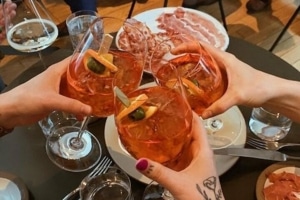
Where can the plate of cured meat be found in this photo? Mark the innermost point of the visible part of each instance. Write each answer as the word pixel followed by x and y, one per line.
pixel 160 24
pixel 279 181
pixel 163 22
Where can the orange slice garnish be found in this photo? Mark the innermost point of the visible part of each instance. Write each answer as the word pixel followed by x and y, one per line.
pixel 191 87
pixel 150 110
pixel 103 63
pixel 135 103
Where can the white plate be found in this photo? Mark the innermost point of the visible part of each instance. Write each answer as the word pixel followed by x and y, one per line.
pixel 149 17
pixel 263 181
pixel 127 162
pixel 12 188
pixel 214 33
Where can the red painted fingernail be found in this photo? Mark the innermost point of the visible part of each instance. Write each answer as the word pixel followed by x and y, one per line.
pixel 141 164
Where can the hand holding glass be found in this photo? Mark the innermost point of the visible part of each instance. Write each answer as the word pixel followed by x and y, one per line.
pixel 95 66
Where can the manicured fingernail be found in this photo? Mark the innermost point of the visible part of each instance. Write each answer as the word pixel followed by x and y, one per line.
pixel 141 164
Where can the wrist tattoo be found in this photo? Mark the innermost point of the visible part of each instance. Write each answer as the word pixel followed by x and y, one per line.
pixel 211 185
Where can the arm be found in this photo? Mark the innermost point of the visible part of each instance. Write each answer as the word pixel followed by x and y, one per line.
pixel 37 97
pixel 250 87
pixel 200 178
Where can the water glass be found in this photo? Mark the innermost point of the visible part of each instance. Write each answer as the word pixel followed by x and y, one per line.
pixel 78 23
pixel 269 125
pixel 55 120
pixel 114 184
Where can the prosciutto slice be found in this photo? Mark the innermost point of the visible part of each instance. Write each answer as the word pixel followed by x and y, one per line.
pixel 189 23
pixel 283 186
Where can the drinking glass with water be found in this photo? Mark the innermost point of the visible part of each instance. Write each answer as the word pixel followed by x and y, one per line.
pixel 269 125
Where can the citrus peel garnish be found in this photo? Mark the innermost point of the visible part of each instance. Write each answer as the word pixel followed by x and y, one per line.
pixel 105 59
pixel 136 111
pixel 191 87
pixel 135 103
pixel 150 110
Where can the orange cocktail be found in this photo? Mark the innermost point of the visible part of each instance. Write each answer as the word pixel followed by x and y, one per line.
pixel 94 86
pixel 162 131
pixel 200 75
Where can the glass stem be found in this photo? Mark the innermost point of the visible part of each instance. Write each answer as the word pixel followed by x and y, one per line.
pixel 213 125
pixel 167 195
pixel 76 142
pixel 42 60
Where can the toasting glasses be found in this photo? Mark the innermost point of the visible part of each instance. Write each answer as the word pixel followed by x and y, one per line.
pixel 95 66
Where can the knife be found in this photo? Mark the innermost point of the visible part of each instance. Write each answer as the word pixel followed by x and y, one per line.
pixel 255 153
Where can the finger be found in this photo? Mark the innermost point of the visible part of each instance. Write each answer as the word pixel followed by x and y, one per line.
pixel 157 172
pixel 61 66
pixel 199 131
pixel 70 105
pixel 187 47
pixel 216 53
pixel 219 106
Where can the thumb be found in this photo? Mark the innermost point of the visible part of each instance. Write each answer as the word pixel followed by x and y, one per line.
pixel 70 105
pixel 218 107
pixel 157 172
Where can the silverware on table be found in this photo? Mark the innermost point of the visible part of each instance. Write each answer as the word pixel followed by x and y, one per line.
pixel 261 144
pixel 255 153
pixel 101 168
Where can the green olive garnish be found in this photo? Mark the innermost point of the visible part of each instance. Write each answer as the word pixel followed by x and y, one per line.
pixel 95 66
pixel 137 114
pixel 195 81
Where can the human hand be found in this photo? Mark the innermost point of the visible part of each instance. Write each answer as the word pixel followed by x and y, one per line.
pixel 246 85
pixel 11 10
pixel 200 178
pixel 36 98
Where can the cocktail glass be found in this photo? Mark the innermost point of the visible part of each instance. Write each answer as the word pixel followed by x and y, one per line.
pixel 155 122
pixel 96 65
pixel 203 83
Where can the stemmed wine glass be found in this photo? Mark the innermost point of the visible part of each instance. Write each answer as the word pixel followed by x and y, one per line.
pixel 203 83
pixel 32 29
pixel 96 65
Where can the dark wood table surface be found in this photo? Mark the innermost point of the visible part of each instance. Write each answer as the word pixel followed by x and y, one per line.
pixel 23 151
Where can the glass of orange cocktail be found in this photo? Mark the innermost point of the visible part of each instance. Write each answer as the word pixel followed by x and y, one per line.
pixel 156 122
pixel 146 125
pixel 203 82
pixel 97 64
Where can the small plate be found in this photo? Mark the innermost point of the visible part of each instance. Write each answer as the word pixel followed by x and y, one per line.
pixel 262 181
pixel 124 160
pixel 12 187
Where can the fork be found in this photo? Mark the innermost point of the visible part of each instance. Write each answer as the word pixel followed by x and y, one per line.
pixel 101 168
pixel 261 144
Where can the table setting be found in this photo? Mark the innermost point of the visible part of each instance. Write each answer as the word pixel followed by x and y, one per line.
pixel 234 169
